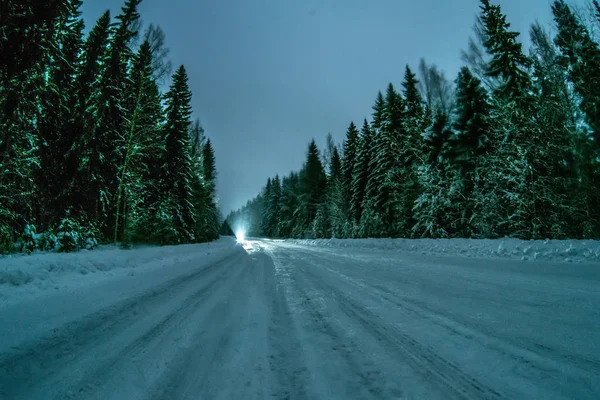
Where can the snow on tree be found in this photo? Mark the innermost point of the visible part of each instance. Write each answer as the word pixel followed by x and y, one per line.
pixel 360 172
pixel 348 160
pixel 335 196
pixel 176 169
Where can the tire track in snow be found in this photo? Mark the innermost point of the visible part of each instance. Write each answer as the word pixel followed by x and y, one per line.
pixel 338 363
pixel 197 372
pixel 532 361
pixel 29 366
pixel 447 374
pixel 159 332
pixel 285 351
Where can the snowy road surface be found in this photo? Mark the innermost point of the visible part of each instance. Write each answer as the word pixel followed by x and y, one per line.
pixel 283 321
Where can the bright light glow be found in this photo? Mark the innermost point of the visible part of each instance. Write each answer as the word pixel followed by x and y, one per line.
pixel 240 235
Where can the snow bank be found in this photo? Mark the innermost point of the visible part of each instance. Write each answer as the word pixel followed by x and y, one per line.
pixel 22 273
pixel 554 250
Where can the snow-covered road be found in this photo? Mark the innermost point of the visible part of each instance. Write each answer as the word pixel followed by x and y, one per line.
pixel 276 320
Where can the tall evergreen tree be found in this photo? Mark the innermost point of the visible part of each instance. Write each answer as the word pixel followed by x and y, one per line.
pixel 361 171
pixel 289 204
pixel 56 128
pixel 87 184
pixel 348 160
pixel 555 161
pixel 335 196
pixel 275 206
pixel 114 108
pixel 582 55
pixel 266 210
pixel 141 149
pixel 313 182
pixel 27 31
pixel 410 153
pixel 508 64
pixel 505 203
pixel 470 141
pixel 209 167
pixel 176 169
pixel 380 206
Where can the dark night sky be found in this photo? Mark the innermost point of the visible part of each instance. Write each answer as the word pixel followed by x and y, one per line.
pixel 269 75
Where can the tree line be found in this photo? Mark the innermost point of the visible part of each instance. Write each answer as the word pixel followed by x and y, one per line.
pixel 510 148
pixel 90 149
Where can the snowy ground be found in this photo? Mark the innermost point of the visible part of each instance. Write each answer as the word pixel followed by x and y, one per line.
pixel 292 320
pixel 525 250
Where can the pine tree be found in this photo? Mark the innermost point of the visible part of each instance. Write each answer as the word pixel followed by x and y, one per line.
pixel 335 196
pixel 26 28
pixel 177 210
pixel 410 154
pixel 381 204
pixel 289 204
pixel 56 128
pixel 582 54
pixel 581 57
pixel 348 160
pixel 471 120
pixel 361 171
pixel 506 205
pixel 313 182
pixel 469 143
pixel 271 211
pixel 203 186
pixel 267 212
pixel 142 148
pixel 275 206
pixel 114 108
pixel 558 120
pixel 201 189
pixel 508 63
pixel 27 31
pixel 209 167
pixel 87 184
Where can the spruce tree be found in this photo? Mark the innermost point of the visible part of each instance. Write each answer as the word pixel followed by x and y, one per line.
pixel 87 184
pixel 313 182
pixel 114 108
pixel 290 190
pixel 508 64
pixel 267 211
pixel 56 128
pixel 557 116
pixel 141 149
pixel 471 120
pixel 209 166
pixel 470 142
pixel 582 55
pixel 410 154
pixel 275 206
pixel 380 216
pixel 335 196
pixel 506 205
pixel 361 171
pixel 348 160
pixel 27 37
pixel 177 211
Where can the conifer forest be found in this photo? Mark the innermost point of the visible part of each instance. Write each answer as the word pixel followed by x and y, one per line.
pixel 508 148
pixel 91 150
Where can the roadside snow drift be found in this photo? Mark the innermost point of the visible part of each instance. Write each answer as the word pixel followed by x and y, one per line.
pixel 552 250
pixel 27 275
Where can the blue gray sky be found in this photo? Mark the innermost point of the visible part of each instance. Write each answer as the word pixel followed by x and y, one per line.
pixel 269 75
